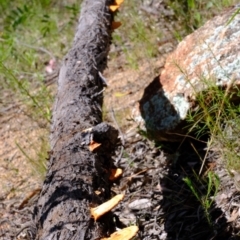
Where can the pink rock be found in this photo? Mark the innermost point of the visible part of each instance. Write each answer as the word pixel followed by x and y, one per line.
pixel 211 53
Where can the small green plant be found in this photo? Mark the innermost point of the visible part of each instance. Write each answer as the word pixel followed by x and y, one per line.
pixel 192 14
pixel 217 116
pixel 37 162
pixel 138 36
pixel 206 196
pixel 32 33
pixel 214 108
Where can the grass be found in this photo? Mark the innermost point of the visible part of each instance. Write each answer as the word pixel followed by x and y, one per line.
pixel 204 195
pixel 217 115
pixel 32 33
pixel 192 14
pixel 38 159
pixel 138 36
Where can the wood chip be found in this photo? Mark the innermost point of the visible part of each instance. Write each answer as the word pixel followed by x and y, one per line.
pixel 87 129
pixel 97 192
pixel 124 234
pixel 99 211
pixel 140 204
pixel 234 215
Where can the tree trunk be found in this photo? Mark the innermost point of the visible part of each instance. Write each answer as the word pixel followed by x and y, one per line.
pixel 78 178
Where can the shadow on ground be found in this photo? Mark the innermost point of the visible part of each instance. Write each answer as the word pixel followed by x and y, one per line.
pixel 188 211
pixel 191 213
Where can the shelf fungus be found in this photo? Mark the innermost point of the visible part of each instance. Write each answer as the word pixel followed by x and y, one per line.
pixel 116 5
pixel 123 234
pixel 87 139
pixel 115 25
pixel 115 173
pixel 99 211
pixel 93 145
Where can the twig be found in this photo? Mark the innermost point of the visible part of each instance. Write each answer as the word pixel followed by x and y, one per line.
pixel 27 198
pixel 31 230
pixel 104 80
pixel 118 128
pixel 36 48
pixel 121 133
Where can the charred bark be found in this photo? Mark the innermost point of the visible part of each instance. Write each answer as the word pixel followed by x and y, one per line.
pixel 77 178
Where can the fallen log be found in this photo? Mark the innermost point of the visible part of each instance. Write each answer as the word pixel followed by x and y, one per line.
pixel 80 163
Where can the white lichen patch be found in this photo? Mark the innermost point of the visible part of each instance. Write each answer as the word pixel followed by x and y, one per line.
pixel 216 57
pixel 181 105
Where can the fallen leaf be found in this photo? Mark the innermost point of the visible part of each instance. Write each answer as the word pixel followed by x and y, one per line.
pixel 97 192
pixel 211 166
pixel 119 94
pixel 31 195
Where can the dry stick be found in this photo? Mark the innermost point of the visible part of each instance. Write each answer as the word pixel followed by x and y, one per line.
pixel 28 197
pixel 121 133
pixel 187 136
pixel 195 150
pixel 134 175
pixel 75 173
pixel 118 128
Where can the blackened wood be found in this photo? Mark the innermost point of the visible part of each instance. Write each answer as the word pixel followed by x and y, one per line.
pixel 75 173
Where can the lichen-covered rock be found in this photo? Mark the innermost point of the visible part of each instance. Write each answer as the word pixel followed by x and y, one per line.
pixel 211 53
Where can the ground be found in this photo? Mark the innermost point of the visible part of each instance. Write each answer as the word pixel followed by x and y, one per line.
pixel 155 175
pixel 157 199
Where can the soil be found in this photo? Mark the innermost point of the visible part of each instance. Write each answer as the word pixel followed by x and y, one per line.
pixel 18 178
pixel 157 199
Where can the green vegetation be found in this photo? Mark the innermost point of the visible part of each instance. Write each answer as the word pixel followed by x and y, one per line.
pixel 192 14
pixel 32 33
pixel 138 38
pixel 218 116
pixel 217 111
pixel 204 195
pixel 38 161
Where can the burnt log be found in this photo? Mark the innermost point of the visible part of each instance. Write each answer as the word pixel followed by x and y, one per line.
pixel 78 176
